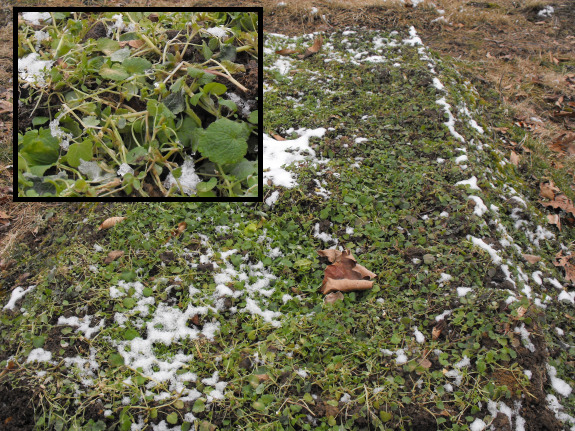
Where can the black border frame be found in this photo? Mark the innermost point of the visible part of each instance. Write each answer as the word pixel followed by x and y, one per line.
pixel 259 10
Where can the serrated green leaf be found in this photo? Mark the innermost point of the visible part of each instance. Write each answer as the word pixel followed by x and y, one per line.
pixel 224 141
pixel 115 73
pixel 136 65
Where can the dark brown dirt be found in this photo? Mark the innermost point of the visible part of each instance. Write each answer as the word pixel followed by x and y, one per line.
pixel 16 409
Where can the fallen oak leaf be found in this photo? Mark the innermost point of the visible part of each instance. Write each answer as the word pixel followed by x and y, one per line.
pixel 109 222
pixel 514 158
pixel 314 49
pixel 561 201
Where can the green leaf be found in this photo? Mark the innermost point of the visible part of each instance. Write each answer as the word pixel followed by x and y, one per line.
pixel 40 148
pixel 214 88
pixel 130 334
pixel 129 303
pixel 228 52
pixel 195 72
pixel 116 360
pixel 136 155
pixel 185 131
pixel 224 141
pixel 199 406
pixel 244 169
pixel 91 121
pixel 38 342
pixel 78 152
pixel 172 418
pixel 206 186
pixel 206 51
pixel 175 102
pixel 120 55
pixel 38 121
pixel 253 118
pixel 230 104
pixel 147 292
pixel 107 46
pixel 115 73
pixel 136 65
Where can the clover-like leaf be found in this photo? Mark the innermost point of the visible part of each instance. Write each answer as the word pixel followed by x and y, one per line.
pixel 224 141
pixel 40 148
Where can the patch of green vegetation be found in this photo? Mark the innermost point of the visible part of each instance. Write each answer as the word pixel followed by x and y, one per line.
pixel 298 362
pixel 130 100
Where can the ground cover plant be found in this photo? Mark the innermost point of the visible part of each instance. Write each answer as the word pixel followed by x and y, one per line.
pixel 142 104
pixel 212 315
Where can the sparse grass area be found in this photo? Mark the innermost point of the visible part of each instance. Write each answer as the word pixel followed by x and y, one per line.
pixel 289 360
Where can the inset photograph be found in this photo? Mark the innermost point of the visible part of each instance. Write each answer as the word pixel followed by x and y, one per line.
pixel 138 105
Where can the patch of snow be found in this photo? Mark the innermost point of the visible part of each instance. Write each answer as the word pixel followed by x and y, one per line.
pixel 560 386
pixel 39 355
pixel 16 294
pixel 462 291
pixel 480 207
pixel 471 182
pixel 188 180
pixel 272 199
pixel 278 154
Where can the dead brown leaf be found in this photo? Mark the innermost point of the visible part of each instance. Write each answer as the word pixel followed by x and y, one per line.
pixel 548 190
pixel 531 258
pixel 332 297
pixel 561 201
pixel 514 158
pixel 314 49
pixel 564 143
pixel 278 137
pixel 109 222
pixel 554 219
pixel 344 274
pixel 286 51
pixel 564 261
pixel 113 255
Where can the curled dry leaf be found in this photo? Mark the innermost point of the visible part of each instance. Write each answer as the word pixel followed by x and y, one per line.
pixel 514 158
pixel 548 190
pixel 112 221
pixel 344 274
pixel 332 297
pixel 562 202
pixel 314 49
pixel 531 258
pixel 113 255
pixel 286 51
pixel 554 219
pixel 564 261
pixel 278 137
